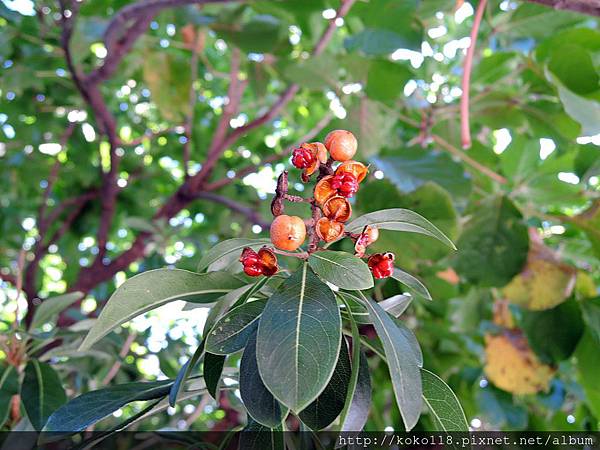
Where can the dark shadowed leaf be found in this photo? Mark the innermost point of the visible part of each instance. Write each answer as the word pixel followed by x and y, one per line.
pixel 232 331
pixel 259 402
pixel 328 406
pixel 342 269
pixel 152 289
pixel 9 386
pixel 213 369
pixel 89 408
pixel 358 412
pixel 402 363
pixel 298 340
pixel 42 392
pixel 184 374
pixel 258 437
pixel 443 405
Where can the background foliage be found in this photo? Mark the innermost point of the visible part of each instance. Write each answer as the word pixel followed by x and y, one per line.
pixel 131 145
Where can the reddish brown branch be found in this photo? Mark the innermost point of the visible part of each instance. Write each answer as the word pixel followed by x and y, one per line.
pixel 250 213
pixel 465 131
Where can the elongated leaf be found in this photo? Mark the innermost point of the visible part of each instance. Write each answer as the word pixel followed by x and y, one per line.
pixel 223 304
pixel 258 437
pixel 342 269
pixel 42 392
pixel 232 331
pixel 396 305
pixel 412 283
pixel 402 363
pixel 220 256
pixel 9 386
pixel 213 368
pixel 445 408
pixel 358 412
pixel 399 219
pixel 48 310
pixel 259 402
pixel 152 289
pixel 184 374
pixel 411 339
pixel 328 406
pixel 298 341
pixel 89 408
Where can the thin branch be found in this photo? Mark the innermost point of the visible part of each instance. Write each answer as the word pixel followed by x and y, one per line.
pixel 140 140
pixel 250 213
pixel 122 354
pixel 191 103
pixel 589 7
pixel 310 135
pixel 465 130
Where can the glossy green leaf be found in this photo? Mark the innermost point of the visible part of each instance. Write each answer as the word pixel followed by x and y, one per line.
pixel 330 403
pixel 41 392
pixel 402 363
pixel 48 310
pixel 184 373
pixel 493 244
pixel 259 402
pixel 396 304
pixel 154 288
pixel 358 412
pixel 399 219
pixel 213 369
pixel 298 340
pixel 584 110
pixel 224 253
pixel 89 408
pixel 232 331
pixel 341 269
pixel 412 283
pixel 443 404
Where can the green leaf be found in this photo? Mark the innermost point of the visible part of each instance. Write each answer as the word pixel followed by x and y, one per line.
pixel 42 392
pixel 224 253
pixel 298 340
pixel 371 123
pixel 396 304
pixel 402 363
pixel 342 269
pixel 573 66
pixel 586 362
pixel 553 334
pixel 258 437
pixel 9 386
pixel 313 73
pixel 261 34
pixel 521 158
pixel 48 310
pixel 89 408
pixel 412 167
pixel 584 110
pixel 399 219
pixel 223 304
pixel 184 374
pixel 213 369
pixel 412 283
pixel 152 289
pixel 493 244
pixel 232 331
pixel 591 315
pixel 259 402
pixel 378 42
pixel 443 404
pixel 358 412
pixel 330 403
pixel 386 80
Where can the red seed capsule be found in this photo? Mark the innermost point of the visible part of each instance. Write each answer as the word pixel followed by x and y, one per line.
pixel 381 264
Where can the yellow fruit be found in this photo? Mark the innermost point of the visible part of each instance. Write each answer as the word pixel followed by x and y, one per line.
pixel 341 144
pixel 288 232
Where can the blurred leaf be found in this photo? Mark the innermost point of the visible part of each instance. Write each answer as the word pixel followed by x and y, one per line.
pixel 370 124
pixel 314 73
pixel 9 386
pixel 413 167
pixel 586 359
pixel 42 392
pixel 48 310
pixel 553 334
pixel 591 314
pixel 298 339
pixel 493 244
pixel 261 34
pixel 573 66
pixel 386 80
pixel 341 269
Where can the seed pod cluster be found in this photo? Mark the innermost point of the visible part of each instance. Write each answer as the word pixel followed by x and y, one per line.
pixel 338 180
